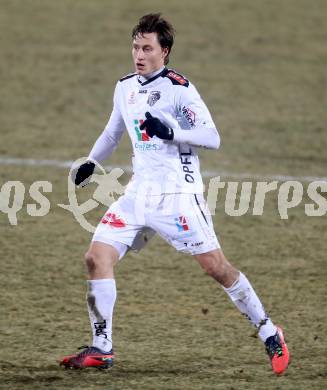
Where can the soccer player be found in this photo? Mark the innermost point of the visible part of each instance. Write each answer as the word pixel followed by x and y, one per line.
pixel 167 121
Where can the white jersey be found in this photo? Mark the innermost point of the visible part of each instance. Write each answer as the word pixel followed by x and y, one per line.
pixel 161 166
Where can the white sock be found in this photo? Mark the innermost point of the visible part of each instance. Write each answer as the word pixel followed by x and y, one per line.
pixel 101 297
pixel 247 301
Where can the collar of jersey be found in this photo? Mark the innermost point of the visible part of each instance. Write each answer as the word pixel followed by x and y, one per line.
pixel 160 74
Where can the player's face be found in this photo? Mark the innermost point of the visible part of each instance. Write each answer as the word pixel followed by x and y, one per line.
pixel 148 55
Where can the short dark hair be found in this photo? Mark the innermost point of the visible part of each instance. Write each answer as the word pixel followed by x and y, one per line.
pixel 155 23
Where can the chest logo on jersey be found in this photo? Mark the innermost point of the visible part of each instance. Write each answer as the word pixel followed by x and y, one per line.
pixel 141 134
pixel 153 97
pixel 143 91
pixel 144 142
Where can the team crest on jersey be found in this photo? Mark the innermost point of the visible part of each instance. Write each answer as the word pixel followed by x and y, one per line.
pixel 181 224
pixel 153 97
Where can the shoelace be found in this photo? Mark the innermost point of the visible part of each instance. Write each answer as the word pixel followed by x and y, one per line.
pixel 273 346
pixel 87 350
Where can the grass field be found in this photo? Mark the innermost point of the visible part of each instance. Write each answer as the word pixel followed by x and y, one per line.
pixel 261 68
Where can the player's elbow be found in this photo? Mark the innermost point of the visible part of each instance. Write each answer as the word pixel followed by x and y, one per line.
pixel 214 141
pixel 217 142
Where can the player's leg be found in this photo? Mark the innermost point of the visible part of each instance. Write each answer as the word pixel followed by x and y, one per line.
pixel 241 292
pixel 239 289
pixel 188 227
pixel 111 240
pixel 101 294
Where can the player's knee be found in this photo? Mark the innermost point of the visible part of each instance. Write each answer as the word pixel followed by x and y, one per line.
pixel 217 267
pixel 96 260
pixel 93 260
pixel 90 260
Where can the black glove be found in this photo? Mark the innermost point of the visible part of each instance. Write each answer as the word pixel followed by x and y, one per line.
pixel 83 172
pixel 153 126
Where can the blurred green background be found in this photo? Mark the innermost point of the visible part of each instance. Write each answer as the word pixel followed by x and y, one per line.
pixel 259 65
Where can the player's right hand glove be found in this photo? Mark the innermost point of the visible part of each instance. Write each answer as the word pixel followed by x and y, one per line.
pixel 83 172
pixel 153 126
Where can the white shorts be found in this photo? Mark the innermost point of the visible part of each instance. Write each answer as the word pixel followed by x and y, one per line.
pixel 183 220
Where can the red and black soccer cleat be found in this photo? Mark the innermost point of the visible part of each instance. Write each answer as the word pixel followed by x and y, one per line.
pixel 278 352
pixel 89 357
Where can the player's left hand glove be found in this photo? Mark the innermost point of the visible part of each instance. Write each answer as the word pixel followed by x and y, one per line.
pixel 82 173
pixel 153 126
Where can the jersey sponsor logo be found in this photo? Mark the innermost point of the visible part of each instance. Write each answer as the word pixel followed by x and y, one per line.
pixel 143 91
pixel 153 97
pixel 187 166
pixel 180 79
pixel 181 224
pixel 143 144
pixel 146 146
pixel 113 220
pixel 141 134
pixel 189 115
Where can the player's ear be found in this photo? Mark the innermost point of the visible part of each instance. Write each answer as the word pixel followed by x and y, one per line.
pixel 165 52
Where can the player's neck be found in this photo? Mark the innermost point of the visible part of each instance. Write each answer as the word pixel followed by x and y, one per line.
pixel 148 76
